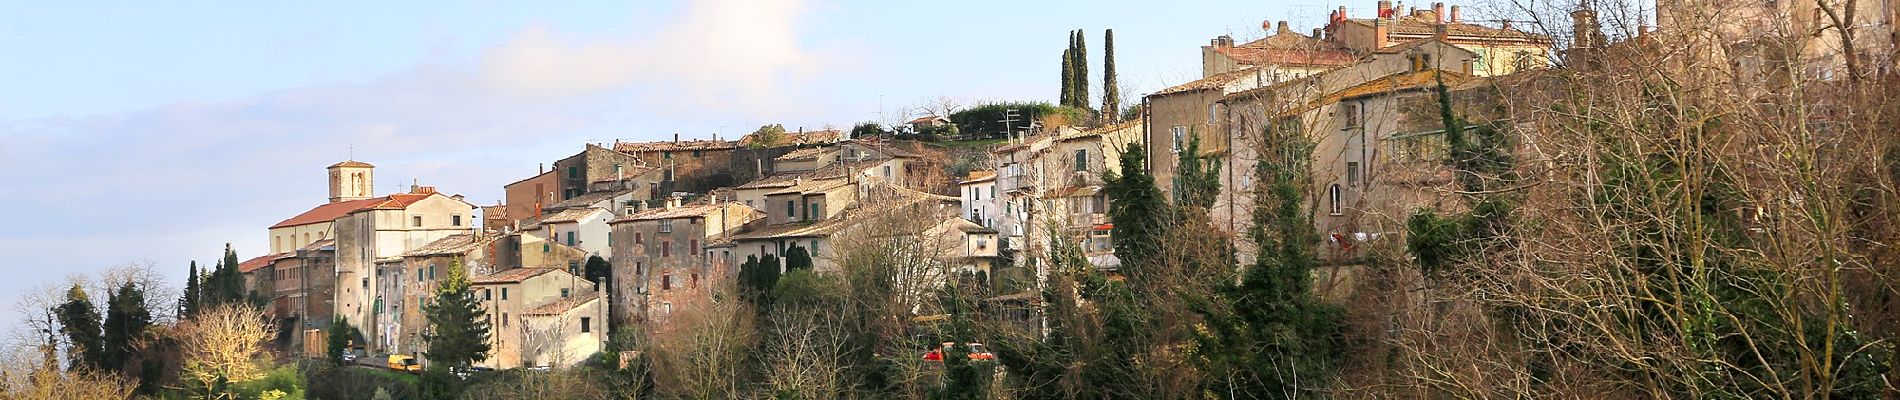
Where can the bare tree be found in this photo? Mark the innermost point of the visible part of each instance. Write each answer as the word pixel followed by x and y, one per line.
pixel 224 343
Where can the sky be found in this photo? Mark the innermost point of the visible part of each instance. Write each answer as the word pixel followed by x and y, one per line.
pixel 157 132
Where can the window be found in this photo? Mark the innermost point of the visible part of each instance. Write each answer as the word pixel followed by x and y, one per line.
pixel 573 267
pixel 570 238
pixel 1082 159
pixel 812 211
pixel 431 271
pixel 415 221
pixel 1179 133
pixel 666 226
pixel 504 316
pixel 992 191
pixel 1350 111
pixel 563 293
pixel 1332 193
pixel 791 210
pixel 419 274
pixel 639 238
pixel 666 155
pixel 695 280
pixel 1352 173
pixel 692 246
pixel 666 282
pixel 666 308
pixel 504 293
pixel 587 324
pixel 546 247
pixel 1098 204
pixel 814 247
pixel 666 248
pixel 1213 113
pixel 486 293
pixel 639 268
pixel 887 172
pixel 455 220
pixel 695 153
pixel 573 172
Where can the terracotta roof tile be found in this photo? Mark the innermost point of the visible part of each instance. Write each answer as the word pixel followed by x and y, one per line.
pixel 571 215
pixel 351 163
pixel 510 276
pixel 980 176
pixel 694 210
pixel 1211 82
pixel 669 146
pixel 328 212
pixel 563 305
pixel 260 262
pixel 456 244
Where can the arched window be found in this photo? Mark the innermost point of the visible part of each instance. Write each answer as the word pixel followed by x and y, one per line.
pixel 1332 193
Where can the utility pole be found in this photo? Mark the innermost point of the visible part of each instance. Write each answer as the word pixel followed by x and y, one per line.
pixel 1009 120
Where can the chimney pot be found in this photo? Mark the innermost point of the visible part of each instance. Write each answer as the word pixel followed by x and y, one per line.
pixel 1438 12
pixel 1316 32
pixel 1282 29
pixel 676 137
pixel 1454 14
pixel 1385 8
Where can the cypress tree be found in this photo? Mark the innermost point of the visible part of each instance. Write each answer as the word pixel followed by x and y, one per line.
pixel 1138 210
pixel 188 306
pixel 80 322
pixel 1081 70
pixel 458 336
pixel 797 258
pixel 1068 72
pixel 337 339
pixel 230 285
pixel 598 269
pixel 126 320
pixel 1111 92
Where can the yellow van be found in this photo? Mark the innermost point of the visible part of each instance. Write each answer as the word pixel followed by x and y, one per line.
pixel 404 363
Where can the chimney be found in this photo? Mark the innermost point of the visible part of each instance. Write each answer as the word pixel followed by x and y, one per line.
pixel 1385 8
pixel 1316 33
pixel 540 168
pixel 1281 28
pixel 1440 31
pixel 1438 12
pixel 1454 14
pixel 1380 27
pixel 676 137
pixel 1505 25
pixel 1340 16
pixel 420 189
pixel 457 197
pixel 672 202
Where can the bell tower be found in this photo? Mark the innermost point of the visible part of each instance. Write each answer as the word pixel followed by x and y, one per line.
pixel 352 180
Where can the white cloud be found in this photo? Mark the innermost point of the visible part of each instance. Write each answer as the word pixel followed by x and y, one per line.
pixel 719 53
pixel 101 190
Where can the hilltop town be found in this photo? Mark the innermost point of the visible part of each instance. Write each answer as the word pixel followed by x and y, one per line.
pixel 1407 203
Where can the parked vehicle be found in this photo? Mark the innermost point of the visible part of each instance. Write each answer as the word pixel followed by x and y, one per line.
pixel 405 363
pixel 465 372
pixel 977 352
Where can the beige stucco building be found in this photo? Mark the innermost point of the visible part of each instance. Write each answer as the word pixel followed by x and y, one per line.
pixel 540 317
pixel 380 233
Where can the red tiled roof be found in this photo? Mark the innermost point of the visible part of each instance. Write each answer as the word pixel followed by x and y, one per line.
pixel 260 262
pixel 399 201
pixel 562 306
pixel 1290 49
pixel 694 210
pixel 980 176
pixel 511 276
pixel 351 163
pixel 927 118
pixel 328 212
pixel 685 145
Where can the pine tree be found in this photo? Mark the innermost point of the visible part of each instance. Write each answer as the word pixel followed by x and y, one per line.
pixel 337 339
pixel 458 335
pixel 1081 70
pixel 80 322
pixel 126 321
pixel 188 306
pixel 1111 91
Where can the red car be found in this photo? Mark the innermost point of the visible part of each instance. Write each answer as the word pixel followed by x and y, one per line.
pixel 977 352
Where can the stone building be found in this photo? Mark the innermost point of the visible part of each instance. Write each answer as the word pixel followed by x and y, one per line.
pixel 658 260
pixel 540 317
pixel 379 233
pixel 524 199
pixel 410 284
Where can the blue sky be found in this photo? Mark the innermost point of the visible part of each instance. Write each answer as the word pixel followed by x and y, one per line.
pixel 157 132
